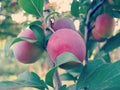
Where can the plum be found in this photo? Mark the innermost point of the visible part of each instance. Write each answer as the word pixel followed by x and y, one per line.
pixel 104 26
pixel 63 23
pixel 66 40
pixel 25 51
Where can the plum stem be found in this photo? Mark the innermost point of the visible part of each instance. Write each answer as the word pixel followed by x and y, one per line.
pixel 51 29
pixel 88 29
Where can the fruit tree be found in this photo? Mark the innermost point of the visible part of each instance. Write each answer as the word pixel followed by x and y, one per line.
pixel 85 57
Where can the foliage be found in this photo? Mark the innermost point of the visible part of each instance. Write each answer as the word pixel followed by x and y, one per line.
pixel 26 79
pixel 36 7
pixel 97 73
pixel 7 26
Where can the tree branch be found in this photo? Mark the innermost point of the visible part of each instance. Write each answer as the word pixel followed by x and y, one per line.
pixel 88 29
pixel 57 80
pixel 88 25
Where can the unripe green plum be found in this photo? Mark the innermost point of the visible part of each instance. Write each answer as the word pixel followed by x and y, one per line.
pixel 104 26
pixel 24 51
pixel 66 40
pixel 63 23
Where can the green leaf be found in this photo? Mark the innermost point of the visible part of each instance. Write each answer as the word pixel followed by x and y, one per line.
pixel 75 7
pixel 103 56
pixel 67 77
pixel 99 76
pixel 18 39
pixel 79 7
pixel 113 88
pixel 91 66
pixel 34 7
pixel 83 9
pixel 49 77
pixel 107 58
pixel 64 87
pixel 47 38
pixel 38 23
pixel 75 71
pixel 39 33
pixel 116 2
pixel 65 58
pixel 116 13
pixel 26 79
pixel 25 25
pixel 15 40
pixel 111 44
pixel 61 59
pixel 67 61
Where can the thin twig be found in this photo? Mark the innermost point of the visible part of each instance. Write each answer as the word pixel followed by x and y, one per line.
pixel 57 80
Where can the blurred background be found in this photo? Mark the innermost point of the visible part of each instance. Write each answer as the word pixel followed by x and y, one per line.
pixel 12 18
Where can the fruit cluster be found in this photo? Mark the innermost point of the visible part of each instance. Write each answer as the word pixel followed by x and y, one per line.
pixel 64 39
